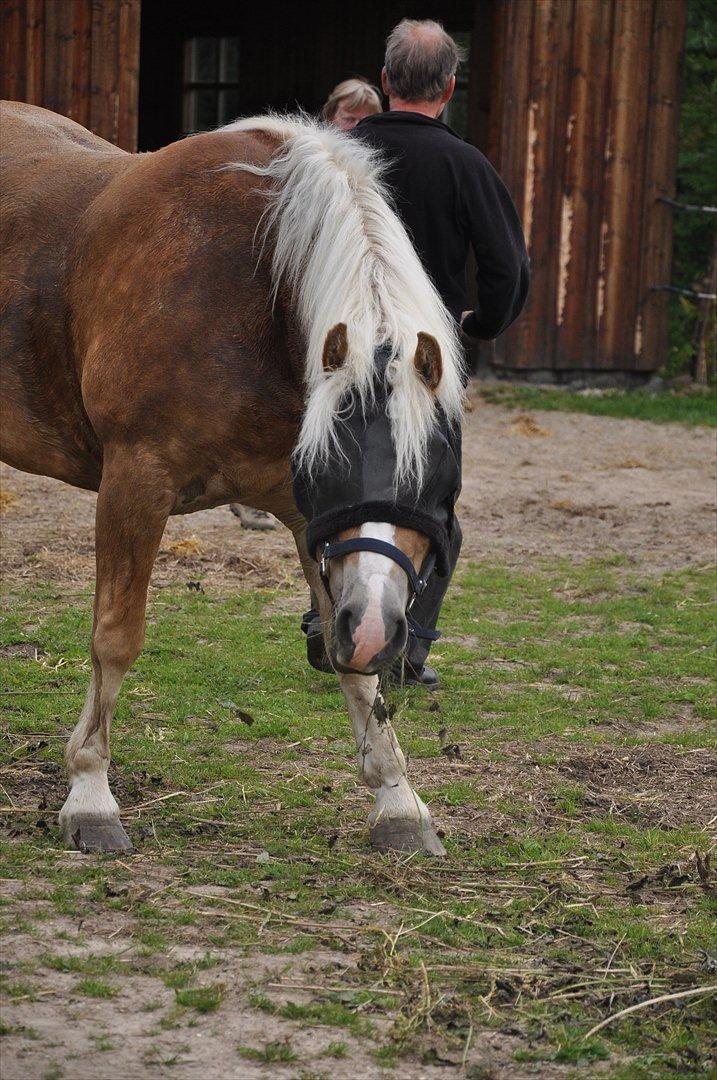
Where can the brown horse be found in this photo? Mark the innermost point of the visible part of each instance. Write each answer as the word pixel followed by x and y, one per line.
pixel 176 326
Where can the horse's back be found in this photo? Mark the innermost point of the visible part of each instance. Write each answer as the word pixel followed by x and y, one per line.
pixel 51 169
pixel 29 125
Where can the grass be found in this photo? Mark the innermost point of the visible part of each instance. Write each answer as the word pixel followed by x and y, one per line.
pixel 659 406
pixel 580 698
pixel 331 1013
pixel 338 1050
pixel 95 988
pixel 204 999
pixel 271 1052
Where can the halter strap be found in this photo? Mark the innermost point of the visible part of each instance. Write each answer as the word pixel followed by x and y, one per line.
pixel 381 547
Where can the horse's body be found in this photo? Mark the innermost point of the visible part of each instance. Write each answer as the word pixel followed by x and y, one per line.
pixel 111 298
pixel 143 358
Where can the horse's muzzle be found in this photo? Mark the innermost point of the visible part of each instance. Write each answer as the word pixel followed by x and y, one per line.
pixel 366 642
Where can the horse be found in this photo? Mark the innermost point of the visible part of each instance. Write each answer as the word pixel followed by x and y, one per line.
pixel 203 325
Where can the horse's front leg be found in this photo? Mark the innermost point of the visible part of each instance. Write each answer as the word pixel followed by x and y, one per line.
pixel 132 510
pixel 399 819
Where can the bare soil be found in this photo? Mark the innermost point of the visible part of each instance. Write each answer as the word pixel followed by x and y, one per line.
pixel 549 484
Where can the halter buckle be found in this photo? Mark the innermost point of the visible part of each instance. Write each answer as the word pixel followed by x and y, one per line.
pixel 323 562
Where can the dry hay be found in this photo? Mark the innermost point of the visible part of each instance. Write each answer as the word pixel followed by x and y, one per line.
pixel 8 498
pixel 527 425
pixel 188 545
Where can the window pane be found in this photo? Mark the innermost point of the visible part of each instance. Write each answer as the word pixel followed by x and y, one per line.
pixel 200 59
pixel 229 60
pixel 199 110
pixel 229 107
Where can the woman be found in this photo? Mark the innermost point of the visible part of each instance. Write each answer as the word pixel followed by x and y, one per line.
pixel 351 101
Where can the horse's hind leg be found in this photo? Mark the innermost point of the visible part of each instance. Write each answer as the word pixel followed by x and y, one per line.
pixel 132 510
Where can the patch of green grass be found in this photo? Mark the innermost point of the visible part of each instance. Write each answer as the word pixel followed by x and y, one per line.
pixel 17 990
pixel 204 999
pixel 261 1001
pixel 386 1056
pixel 573 1051
pixel 338 1050
pixel 331 1013
pixel 85 965
pixel 95 988
pixel 103 1043
pixel 271 1052
pixel 659 406
pixel 580 696
pixel 20 1029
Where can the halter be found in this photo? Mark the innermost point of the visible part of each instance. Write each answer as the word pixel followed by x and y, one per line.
pixel 418 582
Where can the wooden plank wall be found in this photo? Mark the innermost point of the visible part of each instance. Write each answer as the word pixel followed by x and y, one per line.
pixel 584 131
pixel 77 57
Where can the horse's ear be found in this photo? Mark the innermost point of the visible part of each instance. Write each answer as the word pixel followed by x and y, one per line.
pixel 336 347
pixel 429 364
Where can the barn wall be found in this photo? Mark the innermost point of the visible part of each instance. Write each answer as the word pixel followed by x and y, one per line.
pixel 77 57
pixel 583 129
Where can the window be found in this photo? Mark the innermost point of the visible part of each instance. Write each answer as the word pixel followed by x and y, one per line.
pixel 456 112
pixel 210 95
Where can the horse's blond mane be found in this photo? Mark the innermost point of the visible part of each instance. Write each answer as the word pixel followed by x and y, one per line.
pixel 347 258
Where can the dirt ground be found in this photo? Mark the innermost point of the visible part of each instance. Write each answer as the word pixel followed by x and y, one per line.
pixel 544 485
pixel 548 484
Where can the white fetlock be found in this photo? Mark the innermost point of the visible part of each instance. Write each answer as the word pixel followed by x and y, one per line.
pixel 89 797
pixel 398 801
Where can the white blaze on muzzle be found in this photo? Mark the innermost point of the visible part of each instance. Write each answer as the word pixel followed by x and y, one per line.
pixel 374 589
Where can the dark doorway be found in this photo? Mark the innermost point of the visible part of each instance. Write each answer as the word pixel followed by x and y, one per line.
pixel 203 62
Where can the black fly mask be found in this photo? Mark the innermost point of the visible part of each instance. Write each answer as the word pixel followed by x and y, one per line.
pixel 357 484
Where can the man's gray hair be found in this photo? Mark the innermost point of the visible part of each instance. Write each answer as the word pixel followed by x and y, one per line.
pixel 420 59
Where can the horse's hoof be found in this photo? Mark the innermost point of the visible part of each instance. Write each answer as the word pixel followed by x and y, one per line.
pixel 405 834
pixel 92 833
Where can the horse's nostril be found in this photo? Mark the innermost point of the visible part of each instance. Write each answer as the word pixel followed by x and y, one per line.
pixel 400 635
pixel 346 623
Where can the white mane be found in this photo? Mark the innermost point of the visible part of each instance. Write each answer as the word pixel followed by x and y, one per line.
pixel 347 257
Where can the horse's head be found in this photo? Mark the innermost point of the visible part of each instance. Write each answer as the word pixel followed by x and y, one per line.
pixel 379 530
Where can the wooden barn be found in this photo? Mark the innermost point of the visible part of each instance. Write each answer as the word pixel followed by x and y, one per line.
pixel 574 101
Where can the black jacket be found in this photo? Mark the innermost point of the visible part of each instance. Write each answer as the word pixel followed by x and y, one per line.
pixel 449 196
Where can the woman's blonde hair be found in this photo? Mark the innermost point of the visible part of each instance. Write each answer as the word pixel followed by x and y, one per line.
pixel 354 92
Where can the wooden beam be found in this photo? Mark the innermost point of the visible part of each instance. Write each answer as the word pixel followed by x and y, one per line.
pixel 12 50
pixel 128 89
pixel 104 92
pixel 67 59
pixel 625 157
pixel 668 41
pixel 512 132
pixel 35 51
pixel 575 343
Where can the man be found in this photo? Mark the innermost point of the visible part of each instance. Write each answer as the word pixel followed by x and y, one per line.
pixel 447 194
pixel 450 198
